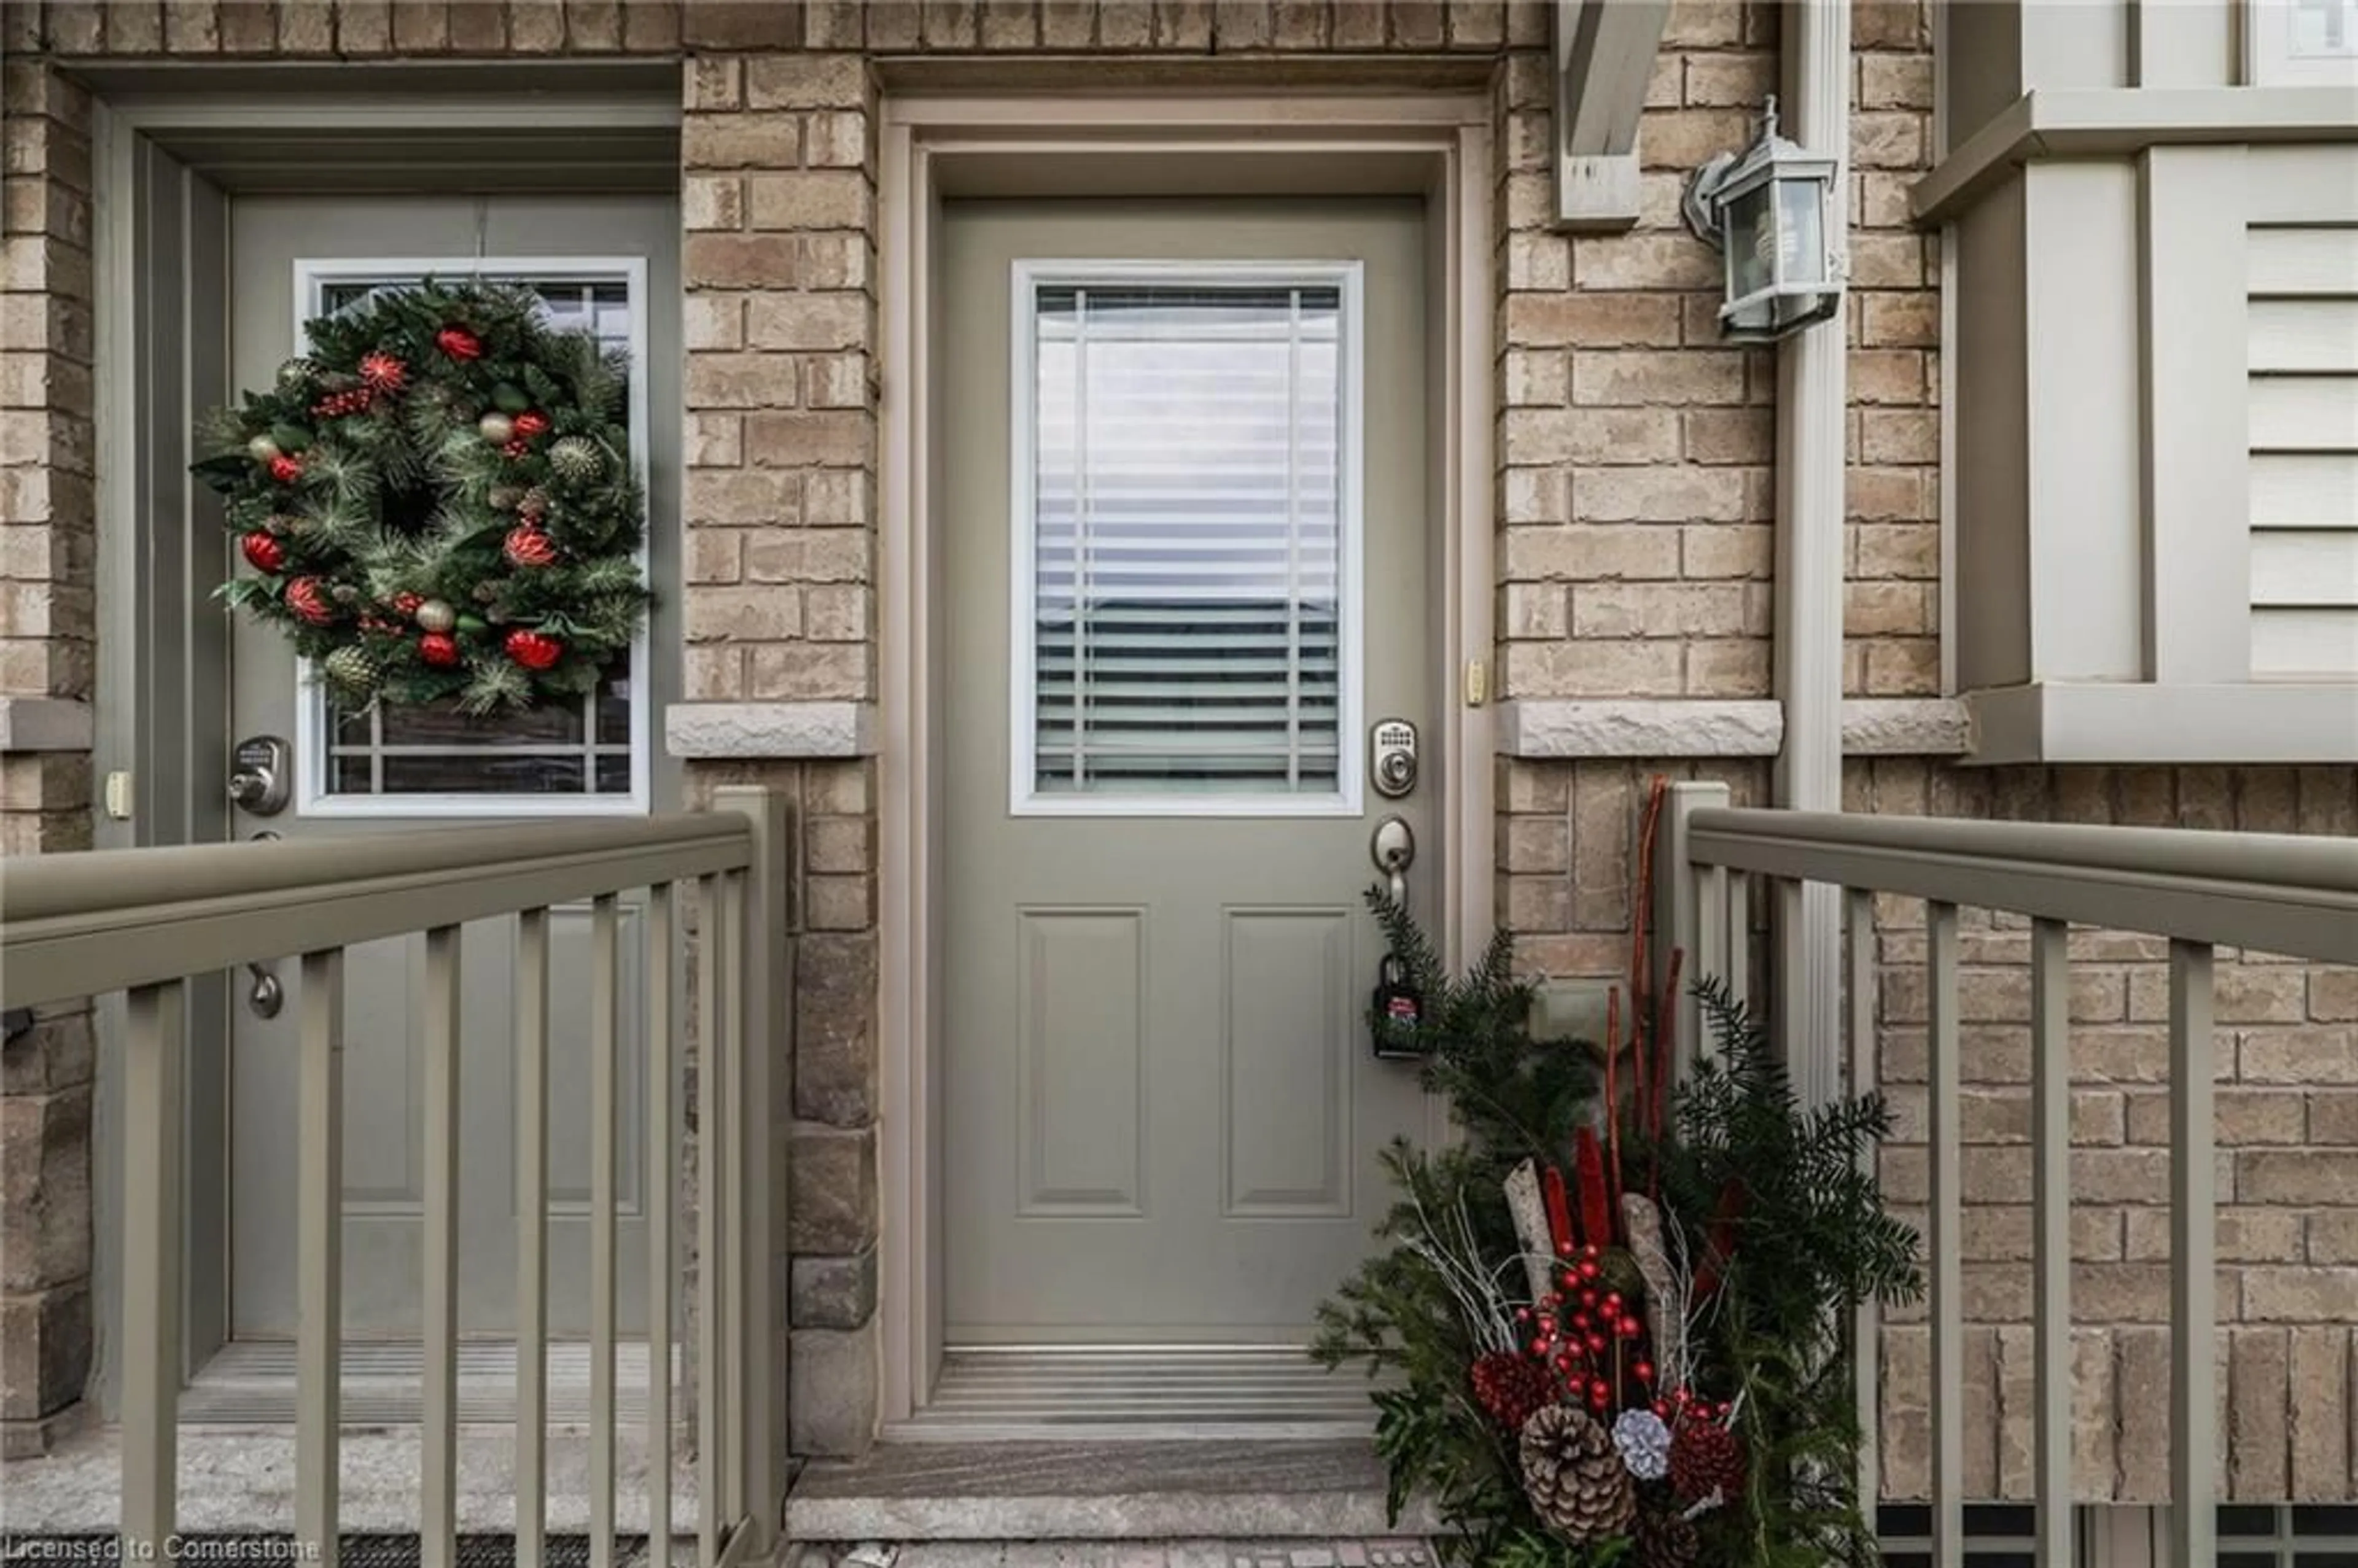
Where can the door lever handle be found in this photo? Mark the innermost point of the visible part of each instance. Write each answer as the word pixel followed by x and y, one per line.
pixel 268 996
pixel 1394 849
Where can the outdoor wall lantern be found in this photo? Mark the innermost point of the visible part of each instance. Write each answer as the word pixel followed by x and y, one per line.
pixel 1767 211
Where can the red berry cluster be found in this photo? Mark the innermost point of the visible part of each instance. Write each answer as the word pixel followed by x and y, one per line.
pixel 337 404
pixel 1705 1456
pixel 1511 1388
pixel 1587 1334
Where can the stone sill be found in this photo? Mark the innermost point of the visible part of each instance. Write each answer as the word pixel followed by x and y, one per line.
pixel 774 731
pixel 1546 728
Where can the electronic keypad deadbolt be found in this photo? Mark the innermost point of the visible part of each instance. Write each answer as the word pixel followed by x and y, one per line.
pixel 261 774
pixel 1392 757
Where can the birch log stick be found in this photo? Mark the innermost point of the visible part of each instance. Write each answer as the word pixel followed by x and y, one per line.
pixel 1529 1214
pixel 1643 1223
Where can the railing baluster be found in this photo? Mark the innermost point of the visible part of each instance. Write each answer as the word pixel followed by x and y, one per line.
pixel 319 1254
pixel 152 1069
pixel 1865 1073
pixel 1946 1155
pixel 1710 957
pixel 1737 944
pixel 2051 1245
pixel 735 1395
pixel 605 978
pixel 662 1189
pixel 709 990
pixel 2193 1371
pixel 532 1235
pixel 438 1535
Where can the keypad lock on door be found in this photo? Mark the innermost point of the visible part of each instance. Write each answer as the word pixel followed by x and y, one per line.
pixel 261 775
pixel 1392 757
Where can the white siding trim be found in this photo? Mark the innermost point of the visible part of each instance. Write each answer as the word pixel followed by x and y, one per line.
pixel 2253 724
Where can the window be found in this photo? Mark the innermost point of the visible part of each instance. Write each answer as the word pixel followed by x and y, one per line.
pixel 2294 43
pixel 1187 540
pixel 435 760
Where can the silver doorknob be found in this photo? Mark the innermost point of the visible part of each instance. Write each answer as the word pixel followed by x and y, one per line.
pixel 261 775
pixel 1394 849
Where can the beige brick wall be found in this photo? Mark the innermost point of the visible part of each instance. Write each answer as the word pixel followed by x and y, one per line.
pixel 1635 495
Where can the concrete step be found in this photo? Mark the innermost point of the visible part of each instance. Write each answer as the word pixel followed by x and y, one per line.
pixel 1324 1491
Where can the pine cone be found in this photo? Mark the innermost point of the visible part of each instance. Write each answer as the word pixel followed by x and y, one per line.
pixel 1575 1479
pixel 354 671
pixel 1705 1457
pixel 576 459
pixel 1667 1541
pixel 1511 1388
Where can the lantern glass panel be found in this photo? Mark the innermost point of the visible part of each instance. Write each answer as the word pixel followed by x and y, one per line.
pixel 1800 231
pixel 1751 244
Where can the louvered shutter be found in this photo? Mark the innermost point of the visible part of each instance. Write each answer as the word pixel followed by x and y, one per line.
pixel 1187 546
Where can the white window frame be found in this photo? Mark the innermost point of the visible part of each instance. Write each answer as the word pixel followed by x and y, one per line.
pixel 312 797
pixel 1030 276
pixel 2268 60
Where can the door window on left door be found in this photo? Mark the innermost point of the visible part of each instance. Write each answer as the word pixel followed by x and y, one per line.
pixel 590 757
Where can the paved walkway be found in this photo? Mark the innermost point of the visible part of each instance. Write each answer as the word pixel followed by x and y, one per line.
pixel 1374 1553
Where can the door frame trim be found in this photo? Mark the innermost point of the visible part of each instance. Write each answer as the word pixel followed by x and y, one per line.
pixel 1433 145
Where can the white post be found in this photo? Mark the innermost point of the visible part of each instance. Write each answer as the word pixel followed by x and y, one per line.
pixel 1812 390
pixel 1681 923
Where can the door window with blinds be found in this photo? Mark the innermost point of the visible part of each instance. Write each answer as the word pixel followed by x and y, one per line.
pixel 588 756
pixel 1187 539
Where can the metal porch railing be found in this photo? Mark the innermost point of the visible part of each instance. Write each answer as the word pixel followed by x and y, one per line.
pixel 146 921
pixel 2278 894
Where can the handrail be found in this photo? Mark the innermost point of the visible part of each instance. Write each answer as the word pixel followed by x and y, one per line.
pixel 2278 893
pixel 76 926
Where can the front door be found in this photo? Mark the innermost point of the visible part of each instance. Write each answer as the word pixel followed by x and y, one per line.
pixel 1185 572
pixel 609 264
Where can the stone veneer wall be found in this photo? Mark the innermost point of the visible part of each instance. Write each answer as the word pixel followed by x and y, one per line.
pixel 1635 498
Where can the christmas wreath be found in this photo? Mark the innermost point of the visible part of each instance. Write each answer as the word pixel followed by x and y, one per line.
pixel 437 501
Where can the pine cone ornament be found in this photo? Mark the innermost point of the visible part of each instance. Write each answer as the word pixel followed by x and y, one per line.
pixel 1575 1479
pixel 1705 1457
pixel 533 505
pixel 354 671
pixel 576 459
pixel 295 374
pixel 1667 1541
pixel 1511 1387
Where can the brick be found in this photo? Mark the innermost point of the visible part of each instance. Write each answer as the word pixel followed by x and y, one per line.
pixel 2249 993
pixel 839 500
pixel 808 671
pixel 835 139
pixel 836 614
pixel 1649 669
pixel 537 26
pixel 1586 552
pixel 832 1379
pixel 712 202
pixel 715 556
pixel 1726 550
pixel 746 140
pixel 1592 320
pixel 1652 379
pixel 739 380
pixel 743 498
pixel 1071 24
pixel 715 83
pixel 1887 139
pixel 750 614
pixel 832 1189
pixel 835 1041
pixel 808 321
pixel 836 260
pixel 477 27
pixel 45 1234
pixel 1651 260
pixel 822 199
pixel 45 1341
pixel 741 25
pixel 739 261
pixel 832 1293
pixel 1679 610
pixel 1536 378
pixel 2334 995
pixel 2318 1428
pixel 1589 435
pixel 2259 1364
pixel 2332 1235
pixel 828 437
pixel 2301 1295
pixel 2296 1176
pixel 2333 1118
pixel 947 24
pixel 1661 496
pixel 713 320
pixel 1730 436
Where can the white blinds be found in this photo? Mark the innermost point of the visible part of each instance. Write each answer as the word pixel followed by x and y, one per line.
pixel 1187 544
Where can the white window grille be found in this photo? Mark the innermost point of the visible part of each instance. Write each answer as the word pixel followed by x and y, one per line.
pixel 1187 540
pixel 587 758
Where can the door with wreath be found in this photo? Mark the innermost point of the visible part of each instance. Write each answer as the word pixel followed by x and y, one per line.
pixel 479 654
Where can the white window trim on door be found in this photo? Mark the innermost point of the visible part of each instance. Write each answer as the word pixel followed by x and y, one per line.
pixel 1030 276
pixel 312 799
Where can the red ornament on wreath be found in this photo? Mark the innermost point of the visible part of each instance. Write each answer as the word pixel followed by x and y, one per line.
pixel 284 468
pixel 308 603
pixel 383 373
pixel 438 649
pixel 534 650
pixel 459 343
pixel 406 603
pixel 532 422
pixel 265 552
pixel 528 546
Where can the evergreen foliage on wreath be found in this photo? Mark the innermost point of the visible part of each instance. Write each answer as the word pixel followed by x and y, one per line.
pixel 437 501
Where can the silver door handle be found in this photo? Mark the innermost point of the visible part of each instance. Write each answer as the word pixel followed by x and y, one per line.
pixel 1393 848
pixel 268 996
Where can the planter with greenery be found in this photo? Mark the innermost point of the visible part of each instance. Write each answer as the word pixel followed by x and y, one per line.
pixel 1617 1311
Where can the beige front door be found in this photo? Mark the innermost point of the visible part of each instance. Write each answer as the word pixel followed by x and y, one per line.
pixel 1185 453
pixel 610 265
